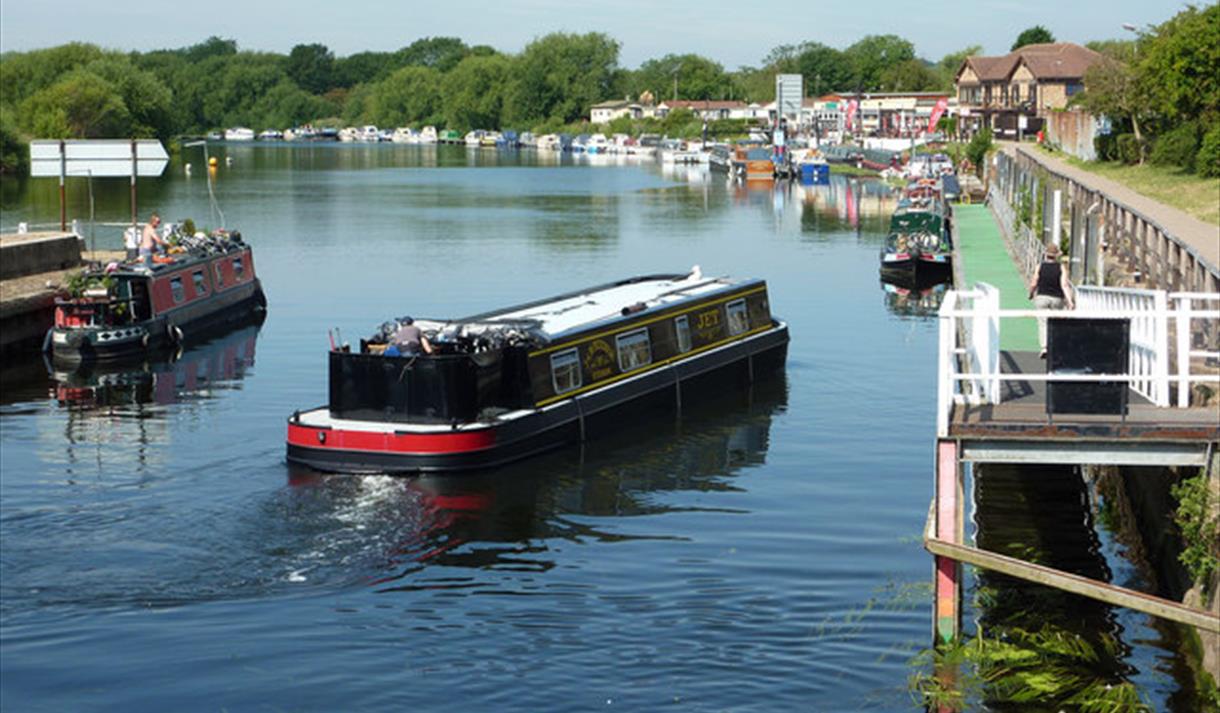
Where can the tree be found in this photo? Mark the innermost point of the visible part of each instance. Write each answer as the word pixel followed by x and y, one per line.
pixel 474 92
pixel 148 100
pixel 441 53
pixel 913 75
pixel 82 105
pixel 1113 89
pixel 1177 64
pixel 696 78
pixel 561 75
pixel 950 63
pixel 825 69
pixel 872 55
pixel 311 67
pixel 411 95
pixel 1035 35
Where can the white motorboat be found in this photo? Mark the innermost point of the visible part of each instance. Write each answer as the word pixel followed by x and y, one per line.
pixel 404 135
pixel 369 134
pixel 271 135
pixel 239 133
pixel 427 135
pixel 474 138
pixel 349 134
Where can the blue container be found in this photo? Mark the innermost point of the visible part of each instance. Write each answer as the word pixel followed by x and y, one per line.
pixel 815 174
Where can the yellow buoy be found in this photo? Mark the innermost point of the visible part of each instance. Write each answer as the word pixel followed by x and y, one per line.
pixel 212 161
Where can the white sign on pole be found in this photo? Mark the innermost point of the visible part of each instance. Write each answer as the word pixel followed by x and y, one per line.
pixel 789 95
pixel 100 158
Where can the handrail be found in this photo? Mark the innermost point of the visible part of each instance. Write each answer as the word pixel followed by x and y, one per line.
pixel 968 361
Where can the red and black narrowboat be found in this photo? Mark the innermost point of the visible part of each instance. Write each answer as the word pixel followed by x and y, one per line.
pixel 510 383
pixel 125 310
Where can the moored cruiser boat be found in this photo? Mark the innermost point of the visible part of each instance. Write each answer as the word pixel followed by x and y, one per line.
pixel 239 133
pixel 506 384
pixel 127 310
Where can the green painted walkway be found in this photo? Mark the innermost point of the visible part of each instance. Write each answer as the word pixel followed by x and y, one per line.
pixel 983 258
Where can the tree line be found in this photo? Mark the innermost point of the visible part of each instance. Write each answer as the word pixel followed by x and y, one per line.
pixel 1162 92
pixel 83 91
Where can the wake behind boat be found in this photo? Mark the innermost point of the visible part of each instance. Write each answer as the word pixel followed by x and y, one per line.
pixel 506 384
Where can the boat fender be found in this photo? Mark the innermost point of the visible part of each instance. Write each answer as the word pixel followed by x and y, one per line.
pixel 632 309
pixel 174 332
pixel 46 341
pixel 260 299
pixel 144 340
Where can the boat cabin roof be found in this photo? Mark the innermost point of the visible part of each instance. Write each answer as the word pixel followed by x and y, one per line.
pixel 580 310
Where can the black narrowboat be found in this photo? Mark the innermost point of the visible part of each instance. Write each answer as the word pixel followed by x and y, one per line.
pixel 510 383
pixel 126 310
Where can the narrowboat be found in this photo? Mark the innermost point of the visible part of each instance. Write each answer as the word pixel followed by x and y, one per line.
pixel 127 309
pixel 753 164
pixel 506 384
pixel 919 247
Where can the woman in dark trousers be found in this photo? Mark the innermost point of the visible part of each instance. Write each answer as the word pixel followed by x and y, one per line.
pixel 1050 288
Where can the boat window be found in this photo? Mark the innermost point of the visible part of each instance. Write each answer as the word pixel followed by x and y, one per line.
pixel 201 287
pixel 565 370
pixel 175 286
pixel 738 320
pixel 634 350
pixel 220 276
pixel 682 327
pixel 238 268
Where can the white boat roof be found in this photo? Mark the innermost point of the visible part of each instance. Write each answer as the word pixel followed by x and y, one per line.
pixel 586 308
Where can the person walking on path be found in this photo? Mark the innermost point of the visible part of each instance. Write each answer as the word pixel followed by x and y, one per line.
pixel 1050 288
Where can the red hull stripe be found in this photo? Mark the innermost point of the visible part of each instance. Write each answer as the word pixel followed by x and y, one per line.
pixel 379 442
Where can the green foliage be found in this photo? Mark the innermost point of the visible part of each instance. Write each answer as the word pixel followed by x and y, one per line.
pixel 311 67
pixel 978 147
pixel 14 152
pixel 1177 147
pixel 1106 146
pixel 697 78
pixel 409 96
pixel 1035 35
pixel 1199 522
pixel 872 55
pixel 950 63
pixel 912 75
pixel 475 93
pixel 562 75
pixel 80 105
pixel 1207 161
pixel 825 69
pixel 1178 62
pixel 1128 148
pixel 1044 669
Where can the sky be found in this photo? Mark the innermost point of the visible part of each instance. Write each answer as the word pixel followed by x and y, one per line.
pixel 732 33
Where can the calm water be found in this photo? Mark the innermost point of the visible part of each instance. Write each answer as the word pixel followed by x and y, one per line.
pixel 762 553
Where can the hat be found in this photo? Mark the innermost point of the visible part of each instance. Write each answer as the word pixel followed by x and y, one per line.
pixel 1052 250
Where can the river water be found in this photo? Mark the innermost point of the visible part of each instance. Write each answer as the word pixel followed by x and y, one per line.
pixel 761 553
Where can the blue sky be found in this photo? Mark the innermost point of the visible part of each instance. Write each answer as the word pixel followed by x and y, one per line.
pixel 732 33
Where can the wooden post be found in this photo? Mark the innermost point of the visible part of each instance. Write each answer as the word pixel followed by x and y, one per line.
pixel 949 526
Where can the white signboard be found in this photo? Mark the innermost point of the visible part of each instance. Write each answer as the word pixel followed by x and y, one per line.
pixel 100 158
pixel 789 95
pixel 1022 123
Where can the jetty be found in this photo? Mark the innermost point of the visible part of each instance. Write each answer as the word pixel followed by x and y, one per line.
pixel 1132 378
pixel 34 268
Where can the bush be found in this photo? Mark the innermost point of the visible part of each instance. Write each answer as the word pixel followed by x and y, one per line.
pixel 1207 161
pixel 1128 148
pixel 1177 147
pixel 978 147
pixel 1106 146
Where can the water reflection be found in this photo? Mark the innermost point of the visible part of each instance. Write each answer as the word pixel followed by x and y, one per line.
pixel 198 372
pixel 511 518
pixel 915 300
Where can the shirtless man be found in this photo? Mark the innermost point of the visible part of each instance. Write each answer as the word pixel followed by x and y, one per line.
pixel 150 239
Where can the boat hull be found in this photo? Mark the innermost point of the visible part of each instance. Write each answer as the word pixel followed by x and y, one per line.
pixel 917 268
pixel 365 447
pixel 240 305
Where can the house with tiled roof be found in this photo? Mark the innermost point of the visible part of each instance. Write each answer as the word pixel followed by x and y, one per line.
pixel 1013 93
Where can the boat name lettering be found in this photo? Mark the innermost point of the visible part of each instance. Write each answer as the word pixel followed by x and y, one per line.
pixel 599 359
pixel 707 321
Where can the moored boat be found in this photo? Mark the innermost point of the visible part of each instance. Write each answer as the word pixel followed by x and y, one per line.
pixel 128 310
pixel 239 133
pixel 919 247
pixel 509 383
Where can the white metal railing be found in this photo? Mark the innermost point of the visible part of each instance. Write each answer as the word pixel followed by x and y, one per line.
pixel 1148 355
pixel 968 359
pixel 1184 317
